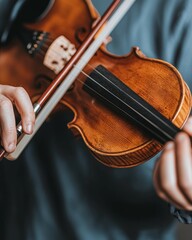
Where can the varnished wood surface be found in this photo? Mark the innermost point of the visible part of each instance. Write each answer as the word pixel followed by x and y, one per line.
pixel 112 140
pixel 121 143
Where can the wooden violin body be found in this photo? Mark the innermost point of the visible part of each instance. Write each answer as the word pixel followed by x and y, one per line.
pixel 113 140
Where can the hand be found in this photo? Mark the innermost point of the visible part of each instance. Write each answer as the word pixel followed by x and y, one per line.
pixel 18 97
pixel 173 170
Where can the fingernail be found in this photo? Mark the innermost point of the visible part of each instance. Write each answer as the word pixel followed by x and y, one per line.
pixel 29 128
pixel 11 147
pixel 169 145
pixel 189 121
pixel 188 125
pixel 180 136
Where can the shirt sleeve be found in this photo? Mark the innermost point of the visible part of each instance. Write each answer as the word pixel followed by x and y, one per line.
pixel 182 215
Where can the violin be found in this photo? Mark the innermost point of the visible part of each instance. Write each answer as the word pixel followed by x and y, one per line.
pixel 122 106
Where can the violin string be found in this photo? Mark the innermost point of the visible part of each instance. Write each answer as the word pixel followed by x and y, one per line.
pixel 152 123
pixel 109 124
pixel 94 69
pixel 116 96
pixel 46 45
pixel 40 52
pixel 107 90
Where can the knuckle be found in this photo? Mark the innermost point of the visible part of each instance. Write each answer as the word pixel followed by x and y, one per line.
pixel 20 91
pixel 11 131
pixel 5 103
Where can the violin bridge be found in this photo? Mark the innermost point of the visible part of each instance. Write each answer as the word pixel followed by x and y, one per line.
pixel 58 54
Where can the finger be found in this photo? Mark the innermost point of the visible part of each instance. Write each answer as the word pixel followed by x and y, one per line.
pixel 7 123
pixel 184 164
pixel 188 126
pixel 160 192
pixel 168 178
pixel 23 104
pixel 156 181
